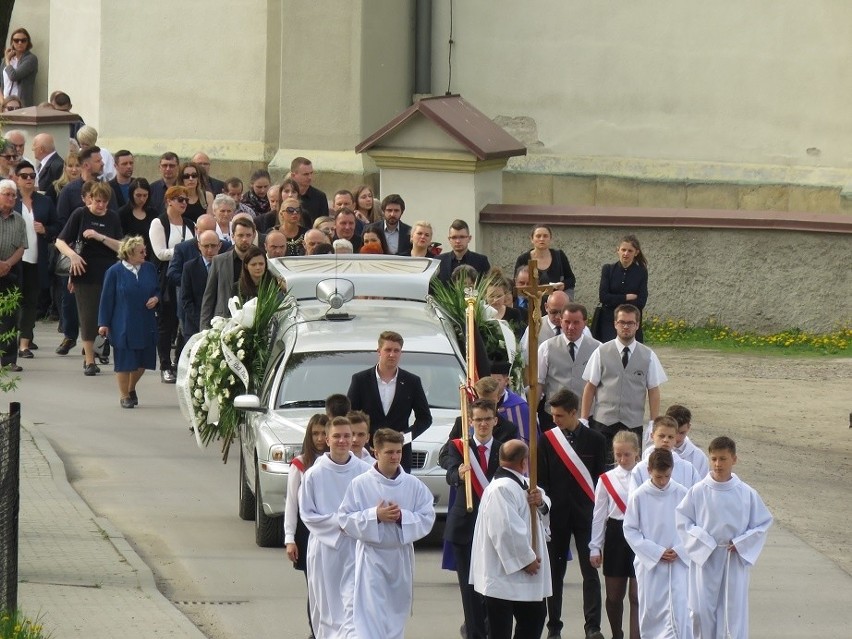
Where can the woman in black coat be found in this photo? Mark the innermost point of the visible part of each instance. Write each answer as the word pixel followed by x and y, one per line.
pixel 625 282
pixel 553 264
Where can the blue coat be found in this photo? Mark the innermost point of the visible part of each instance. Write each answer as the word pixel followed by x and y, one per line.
pixel 122 309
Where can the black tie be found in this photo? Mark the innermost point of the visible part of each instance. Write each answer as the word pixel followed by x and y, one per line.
pixel 557 330
pixel 625 355
pixel 571 347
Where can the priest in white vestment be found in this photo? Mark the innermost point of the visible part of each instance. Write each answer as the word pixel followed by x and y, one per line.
pixel 386 510
pixel 513 577
pixel 722 523
pixel 662 567
pixel 331 553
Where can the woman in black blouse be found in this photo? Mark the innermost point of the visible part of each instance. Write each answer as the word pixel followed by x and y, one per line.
pixel 625 282
pixel 553 265
pixel 136 215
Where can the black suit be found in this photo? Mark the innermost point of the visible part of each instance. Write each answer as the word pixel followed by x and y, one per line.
pixel 404 247
pixel 503 432
pixel 449 263
pixel 571 514
pixel 50 172
pixel 459 532
pixel 192 285
pixel 364 395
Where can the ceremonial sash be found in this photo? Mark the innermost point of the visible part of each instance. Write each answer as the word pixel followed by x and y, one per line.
pixel 571 460
pixel 298 463
pixel 613 493
pixel 479 480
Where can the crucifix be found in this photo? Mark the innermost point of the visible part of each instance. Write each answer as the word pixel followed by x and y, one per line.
pixel 533 292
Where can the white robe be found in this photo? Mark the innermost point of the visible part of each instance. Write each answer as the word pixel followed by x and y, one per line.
pixel 330 554
pixel 384 553
pixel 695 456
pixel 712 515
pixel 683 473
pixel 649 528
pixel 502 545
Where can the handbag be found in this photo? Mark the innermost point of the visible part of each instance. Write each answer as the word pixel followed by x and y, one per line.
pixel 102 348
pixel 62 268
pixel 595 325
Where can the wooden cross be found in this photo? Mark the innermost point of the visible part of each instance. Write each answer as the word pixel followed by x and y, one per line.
pixel 533 292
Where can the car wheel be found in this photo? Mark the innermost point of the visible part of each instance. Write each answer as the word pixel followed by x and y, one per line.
pixel 268 531
pixel 247 500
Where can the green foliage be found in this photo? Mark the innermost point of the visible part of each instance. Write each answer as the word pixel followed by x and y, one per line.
pixel 14 625
pixel 10 300
pixel 678 332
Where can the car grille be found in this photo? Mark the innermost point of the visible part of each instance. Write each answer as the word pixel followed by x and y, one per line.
pixel 418 459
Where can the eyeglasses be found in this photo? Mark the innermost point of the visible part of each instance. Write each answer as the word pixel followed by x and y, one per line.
pixel 625 324
pixel 293 209
pixel 27 176
pixel 19 40
pixel 181 200
pixel 190 176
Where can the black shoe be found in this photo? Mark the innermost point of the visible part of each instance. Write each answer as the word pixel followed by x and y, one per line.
pixel 90 370
pixel 25 353
pixel 65 347
pixel 594 634
pixel 134 398
pixel 33 346
pixel 14 368
pixel 167 376
pixel 127 402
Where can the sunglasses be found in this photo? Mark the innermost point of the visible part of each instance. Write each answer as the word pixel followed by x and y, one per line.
pixel 293 209
pixel 190 176
pixel 182 200
pixel 9 157
pixel 11 108
pixel 27 176
pixel 19 40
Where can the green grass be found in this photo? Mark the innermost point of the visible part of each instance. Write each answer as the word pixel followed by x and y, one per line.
pixel 14 625
pixel 678 333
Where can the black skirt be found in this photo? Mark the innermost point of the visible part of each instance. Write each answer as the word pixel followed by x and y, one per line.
pixel 617 555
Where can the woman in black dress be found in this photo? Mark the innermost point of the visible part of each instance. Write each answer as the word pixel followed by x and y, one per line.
pixel 136 215
pixel 625 282
pixel 553 265
pixel 200 200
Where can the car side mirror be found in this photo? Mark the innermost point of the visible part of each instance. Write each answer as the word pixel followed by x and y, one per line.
pixel 250 403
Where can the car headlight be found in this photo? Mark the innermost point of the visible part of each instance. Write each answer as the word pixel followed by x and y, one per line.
pixel 284 452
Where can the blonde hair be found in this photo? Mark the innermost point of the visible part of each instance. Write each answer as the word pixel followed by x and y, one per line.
pixel 64 179
pixel 128 245
pixel 626 437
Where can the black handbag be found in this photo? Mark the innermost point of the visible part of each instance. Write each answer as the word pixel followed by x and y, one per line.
pixel 595 325
pixel 62 266
pixel 102 348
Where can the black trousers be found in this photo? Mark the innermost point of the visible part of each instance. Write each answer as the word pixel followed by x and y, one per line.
pixel 473 603
pixel 528 617
pixel 609 431
pixel 167 327
pixel 557 550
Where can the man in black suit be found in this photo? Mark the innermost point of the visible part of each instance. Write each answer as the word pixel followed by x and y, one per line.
pixel 216 185
pixel 120 184
pixel 344 228
pixel 388 394
pixel 459 238
pixel 314 201
pixel 168 166
pixel 50 164
pixel 570 460
pixel 194 281
pixel 397 233
pixel 458 531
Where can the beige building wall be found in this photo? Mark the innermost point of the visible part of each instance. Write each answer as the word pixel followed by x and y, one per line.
pixel 723 90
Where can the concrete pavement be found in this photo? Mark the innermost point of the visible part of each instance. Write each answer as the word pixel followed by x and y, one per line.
pixel 85 579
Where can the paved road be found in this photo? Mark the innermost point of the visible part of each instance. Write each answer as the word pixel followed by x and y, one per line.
pixel 176 505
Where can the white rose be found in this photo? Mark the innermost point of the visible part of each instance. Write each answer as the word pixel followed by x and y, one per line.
pixel 241 354
pixel 222 364
pixel 198 393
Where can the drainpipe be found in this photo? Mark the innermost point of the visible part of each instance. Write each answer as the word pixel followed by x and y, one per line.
pixel 423 47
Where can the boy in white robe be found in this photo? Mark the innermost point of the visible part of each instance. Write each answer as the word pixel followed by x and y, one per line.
pixel 664 435
pixel 722 523
pixel 386 510
pixel 662 567
pixel 683 445
pixel 513 577
pixel 331 554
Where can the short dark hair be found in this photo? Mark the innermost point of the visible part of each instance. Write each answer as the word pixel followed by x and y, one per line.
pixel 723 443
pixel 566 399
pixel 123 153
pixel 628 308
pixel 23 164
pixel 171 156
pixel 393 198
pixel 681 414
pixel 343 192
pixel 390 336
pixel 666 421
pixel 62 100
pixel 340 420
pixel 573 307
pixel 323 249
pixel 297 162
pixel 344 210
pixel 387 436
pixel 139 183
pixel 234 181
pixel 337 405
pixel 358 417
pixel 484 404
pixel 660 459
pixel 244 221
pixel 459 225
pixel 86 154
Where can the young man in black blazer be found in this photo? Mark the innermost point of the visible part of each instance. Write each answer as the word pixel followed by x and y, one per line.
pixel 458 530
pixel 570 460
pixel 459 238
pixel 389 394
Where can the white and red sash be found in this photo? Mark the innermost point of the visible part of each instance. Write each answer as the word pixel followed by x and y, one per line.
pixel 572 461
pixel 610 488
pixel 478 480
pixel 298 463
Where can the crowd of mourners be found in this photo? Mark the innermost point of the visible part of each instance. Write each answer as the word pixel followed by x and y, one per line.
pixel 148 262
